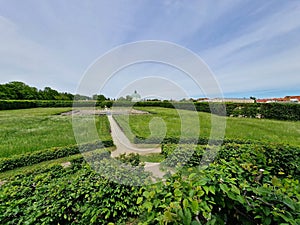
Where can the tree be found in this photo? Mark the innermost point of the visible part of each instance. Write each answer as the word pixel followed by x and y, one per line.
pixel 128 98
pixel 101 98
pixel 253 98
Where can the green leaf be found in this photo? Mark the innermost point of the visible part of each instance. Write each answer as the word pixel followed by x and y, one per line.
pixel 177 193
pixel 232 196
pixel 148 206
pixel 195 222
pixel 139 200
pixel 267 221
pixel 235 189
pixel 200 193
pixel 187 217
pixel 195 206
pixel 206 189
pixel 168 216
pixel 212 190
pixel 224 188
pixel 289 202
pixel 146 194
pixel 185 203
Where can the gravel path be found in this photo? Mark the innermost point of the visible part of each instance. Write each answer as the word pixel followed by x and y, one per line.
pixel 123 145
pixel 122 142
pixel 115 111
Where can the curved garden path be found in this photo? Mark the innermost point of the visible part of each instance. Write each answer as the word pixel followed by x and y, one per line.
pixel 123 145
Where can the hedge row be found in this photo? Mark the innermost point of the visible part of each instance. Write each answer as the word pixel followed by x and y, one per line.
pixel 226 192
pixel 77 195
pixel 200 141
pixel 279 111
pixel 279 159
pixel 25 104
pixel 49 154
pixel 223 193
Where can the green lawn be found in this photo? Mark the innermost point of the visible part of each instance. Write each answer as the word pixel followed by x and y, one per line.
pixel 27 130
pixel 236 128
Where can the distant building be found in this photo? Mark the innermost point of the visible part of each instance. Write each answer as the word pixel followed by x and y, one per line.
pixel 286 99
pixel 135 97
pixel 233 100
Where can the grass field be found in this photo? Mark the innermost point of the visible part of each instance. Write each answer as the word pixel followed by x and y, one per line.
pixel 27 130
pixel 236 128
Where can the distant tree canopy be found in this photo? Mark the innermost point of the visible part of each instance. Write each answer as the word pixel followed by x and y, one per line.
pixel 17 90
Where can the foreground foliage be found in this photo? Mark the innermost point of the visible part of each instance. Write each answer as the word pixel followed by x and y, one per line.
pixel 76 195
pixel 232 190
pixel 222 193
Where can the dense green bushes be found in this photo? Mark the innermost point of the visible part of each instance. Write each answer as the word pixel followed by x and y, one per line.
pixel 222 193
pixel 278 111
pixel 24 104
pixel 231 190
pixel 246 184
pixel 49 154
pixel 281 160
pixel 76 195
pixel 178 140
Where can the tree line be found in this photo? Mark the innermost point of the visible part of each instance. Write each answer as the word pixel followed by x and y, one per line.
pixel 17 90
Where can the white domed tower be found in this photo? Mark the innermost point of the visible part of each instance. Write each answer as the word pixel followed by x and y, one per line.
pixel 135 97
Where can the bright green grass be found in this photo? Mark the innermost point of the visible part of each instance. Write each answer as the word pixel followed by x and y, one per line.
pixel 152 157
pixel 28 130
pixel 236 128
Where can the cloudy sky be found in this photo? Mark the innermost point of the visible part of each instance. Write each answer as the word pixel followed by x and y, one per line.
pixel 252 48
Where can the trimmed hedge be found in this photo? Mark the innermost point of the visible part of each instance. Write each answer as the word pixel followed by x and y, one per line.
pixel 200 141
pixel 25 104
pixel 279 159
pixel 49 154
pixel 278 111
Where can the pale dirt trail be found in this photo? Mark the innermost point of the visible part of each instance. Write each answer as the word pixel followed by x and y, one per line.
pixel 123 145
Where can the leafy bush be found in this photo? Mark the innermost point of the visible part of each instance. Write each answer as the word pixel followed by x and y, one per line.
pixel 49 154
pixel 221 194
pixel 178 140
pixel 132 159
pixel 25 104
pixel 231 190
pixel 75 195
pixel 280 160
pixel 278 111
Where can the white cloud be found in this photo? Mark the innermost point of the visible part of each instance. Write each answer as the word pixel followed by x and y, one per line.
pixel 283 22
pixel 60 39
pixel 24 59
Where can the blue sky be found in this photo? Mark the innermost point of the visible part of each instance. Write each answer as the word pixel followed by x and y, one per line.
pixel 252 47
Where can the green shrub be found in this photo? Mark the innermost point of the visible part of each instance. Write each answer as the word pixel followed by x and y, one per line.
pixel 222 193
pixel 76 195
pixel 281 160
pixel 49 154
pixel 24 104
pixel 132 159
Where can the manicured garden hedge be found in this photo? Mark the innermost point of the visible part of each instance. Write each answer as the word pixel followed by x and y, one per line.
pixel 49 154
pixel 222 193
pixel 281 160
pixel 24 104
pixel 76 195
pixel 278 111
pixel 177 140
